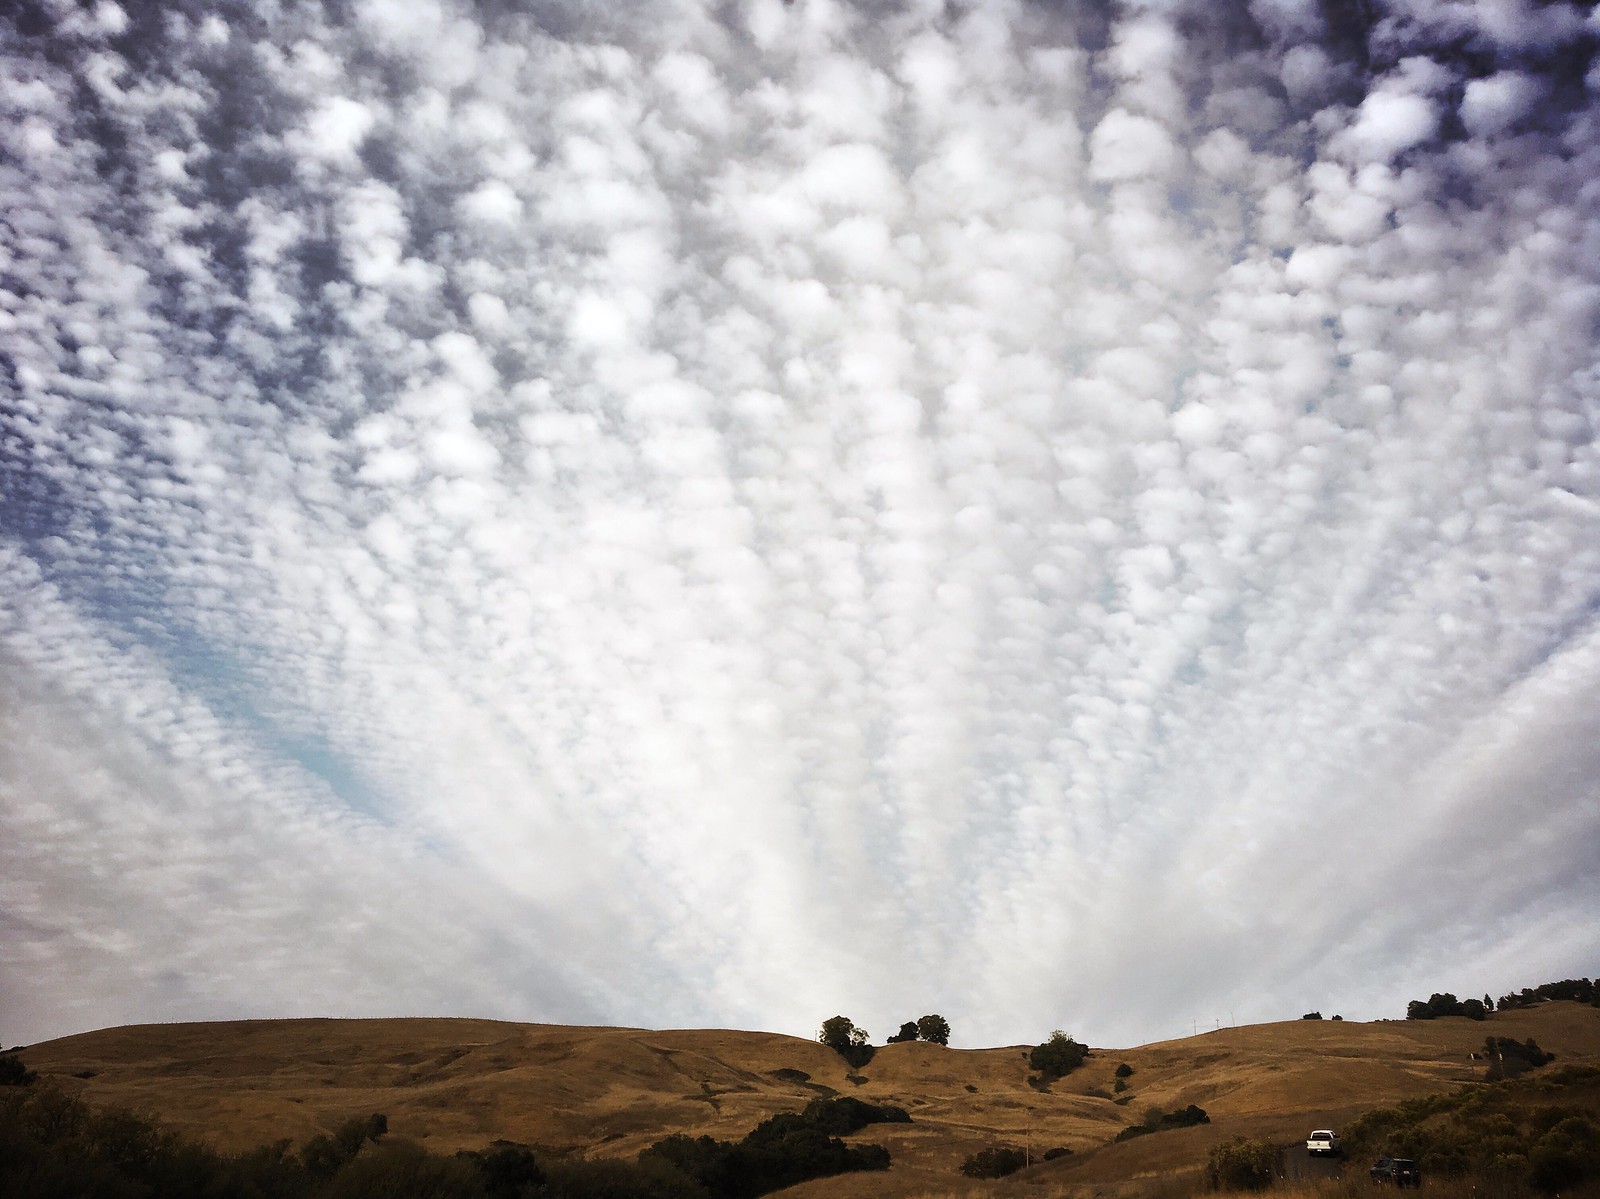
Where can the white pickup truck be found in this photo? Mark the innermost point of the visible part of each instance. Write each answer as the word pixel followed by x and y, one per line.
pixel 1323 1141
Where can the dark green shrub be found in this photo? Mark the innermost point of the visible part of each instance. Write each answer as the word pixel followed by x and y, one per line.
pixel 610 1179
pixel 403 1170
pixel 786 1149
pixel 504 1171
pixel 1241 1164
pixel 1156 1121
pixel 841 1116
pixel 1508 1057
pixel 1057 1057
pixel 908 1032
pixel 13 1073
pixel 1312 1016
pixel 1124 1071
pixel 994 1162
pixel 325 1156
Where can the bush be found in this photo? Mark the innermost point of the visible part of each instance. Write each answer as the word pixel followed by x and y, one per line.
pixel 1312 1016
pixel 994 1162
pixel 1156 1121
pixel 325 1156
pixel 402 1170
pixel 1241 1165
pixel 1509 1057
pixel 908 1032
pixel 1050 1155
pixel 841 1116
pixel 13 1073
pixel 504 1171
pixel 1057 1057
pixel 1124 1071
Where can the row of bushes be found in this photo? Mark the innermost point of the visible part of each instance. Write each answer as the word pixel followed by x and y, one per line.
pixel 997 1161
pixel 53 1144
pixel 1185 1117
pixel 1508 1132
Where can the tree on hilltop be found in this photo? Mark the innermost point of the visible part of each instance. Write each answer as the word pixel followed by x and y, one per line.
pixel 1057 1057
pixel 840 1034
pixel 935 1029
pixel 908 1032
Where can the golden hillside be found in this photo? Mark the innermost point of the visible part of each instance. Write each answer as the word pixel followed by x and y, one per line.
pixel 451 1083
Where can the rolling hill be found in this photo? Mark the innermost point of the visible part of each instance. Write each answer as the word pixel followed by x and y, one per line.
pixel 455 1083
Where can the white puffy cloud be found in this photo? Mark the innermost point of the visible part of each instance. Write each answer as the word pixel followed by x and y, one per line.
pixel 1493 105
pixel 727 524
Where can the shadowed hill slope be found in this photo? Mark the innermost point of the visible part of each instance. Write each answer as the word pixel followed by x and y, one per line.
pixel 451 1083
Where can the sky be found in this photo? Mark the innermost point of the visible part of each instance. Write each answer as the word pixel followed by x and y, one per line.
pixel 1067 516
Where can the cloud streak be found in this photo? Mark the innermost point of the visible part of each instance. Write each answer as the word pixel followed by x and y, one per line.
pixel 1059 518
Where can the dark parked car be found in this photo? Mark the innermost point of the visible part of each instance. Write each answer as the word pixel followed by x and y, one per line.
pixel 1400 1171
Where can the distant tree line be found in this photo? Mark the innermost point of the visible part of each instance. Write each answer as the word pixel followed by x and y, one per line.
pixel 1578 990
pixel 53 1144
pixel 1446 1004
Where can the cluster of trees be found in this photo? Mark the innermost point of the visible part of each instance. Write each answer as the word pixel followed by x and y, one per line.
pixel 1509 1057
pixel 1446 1004
pixel 1515 1134
pixel 782 1151
pixel 1579 990
pixel 1056 1058
pixel 840 1034
pixel 924 1028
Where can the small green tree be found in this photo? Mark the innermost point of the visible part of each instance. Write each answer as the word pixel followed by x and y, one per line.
pixel 1241 1165
pixel 908 1032
pixel 935 1029
pixel 1057 1057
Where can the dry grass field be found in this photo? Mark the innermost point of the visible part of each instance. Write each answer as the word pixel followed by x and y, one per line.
pixel 451 1083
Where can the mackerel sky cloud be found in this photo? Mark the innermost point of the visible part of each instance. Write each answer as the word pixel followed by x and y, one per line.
pixel 1061 515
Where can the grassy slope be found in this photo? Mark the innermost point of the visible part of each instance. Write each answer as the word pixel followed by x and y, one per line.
pixel 462 1083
